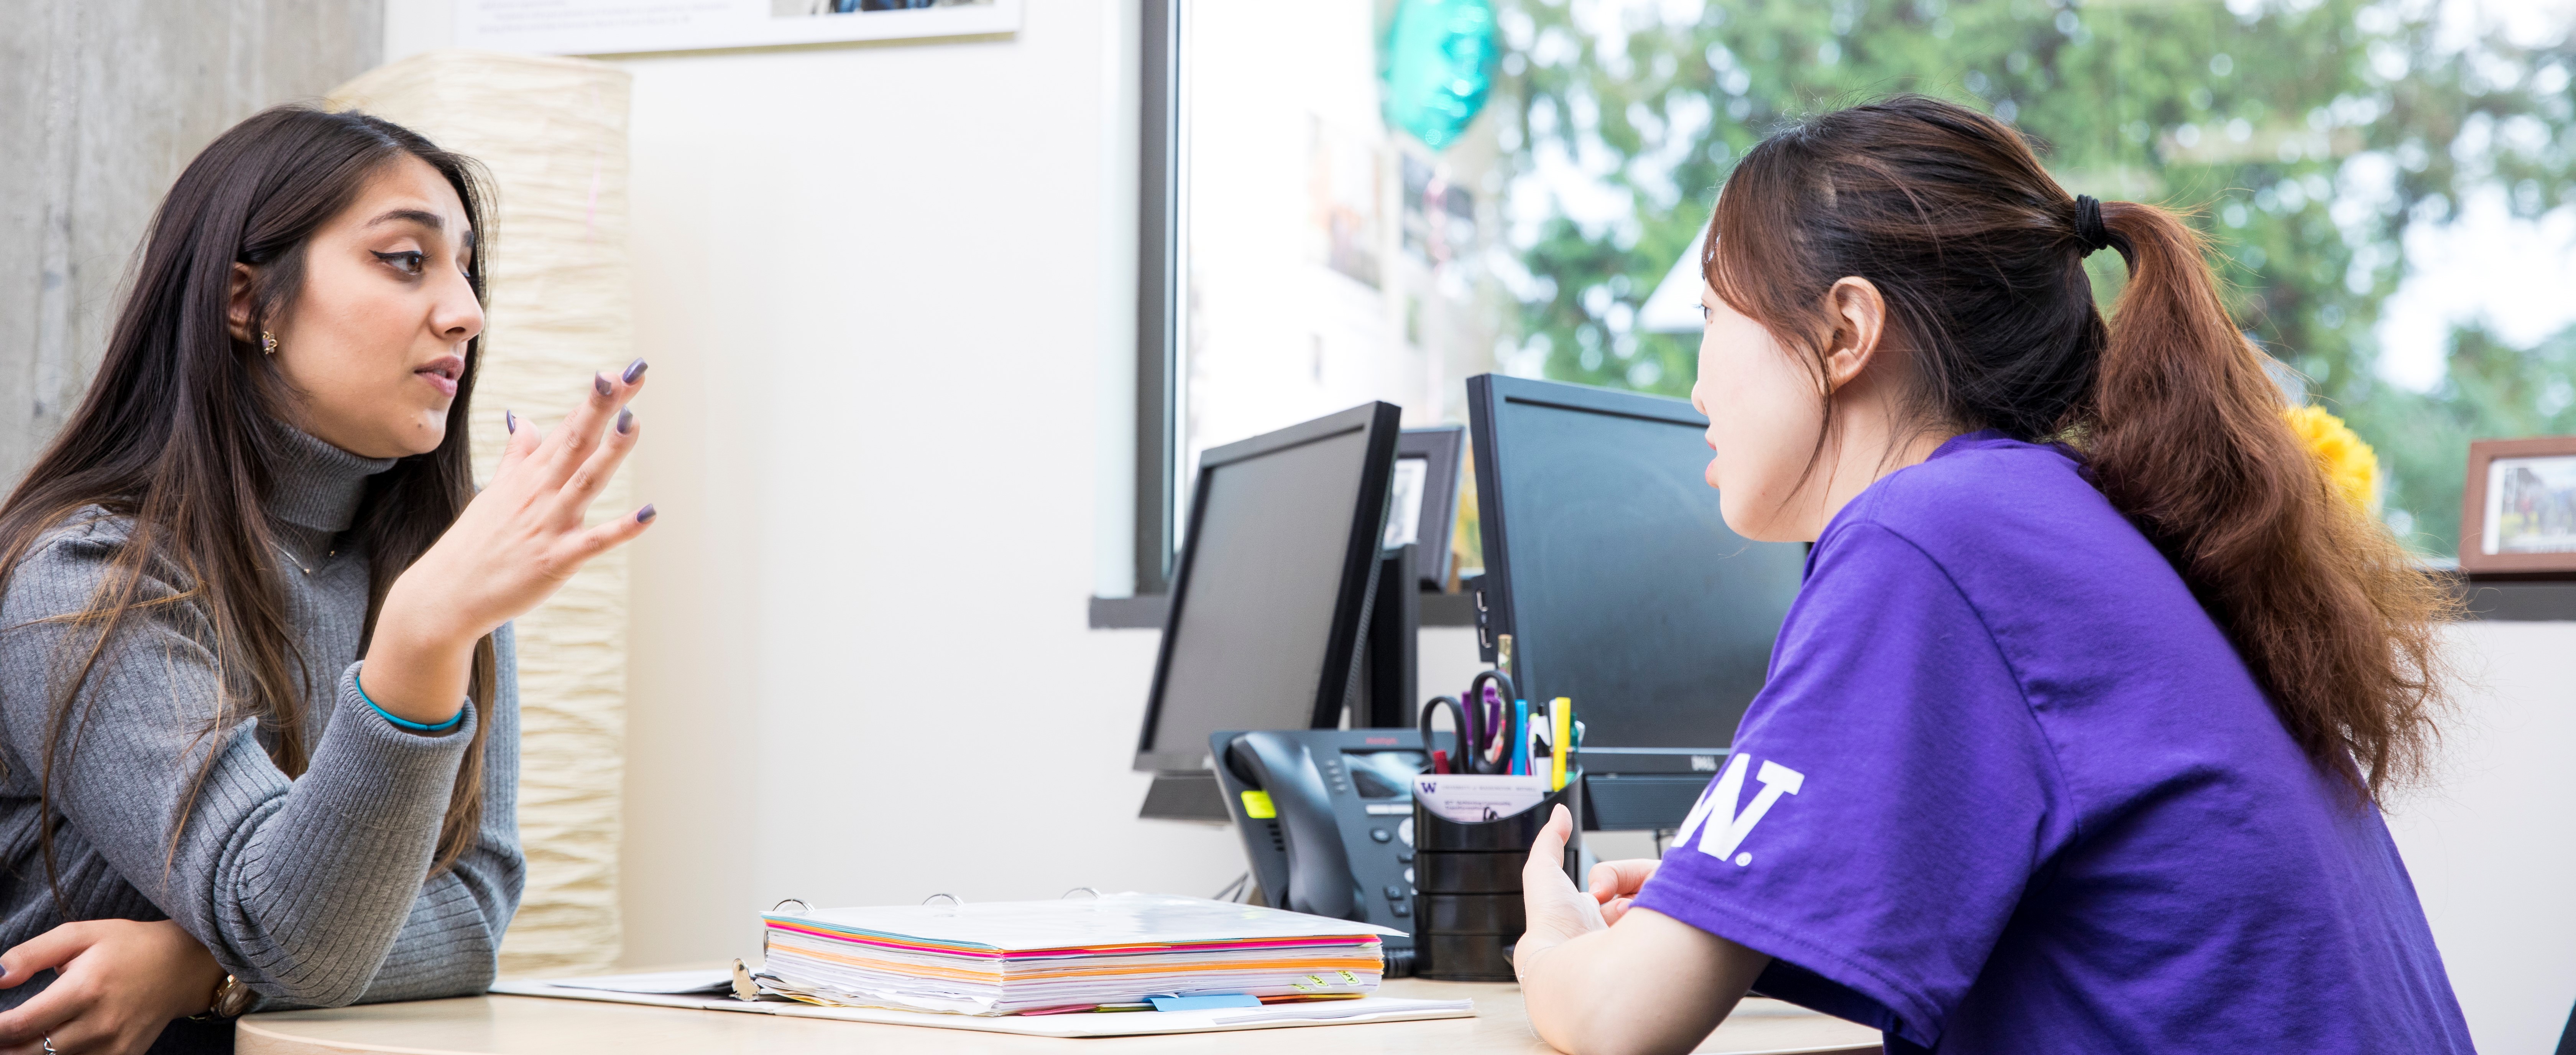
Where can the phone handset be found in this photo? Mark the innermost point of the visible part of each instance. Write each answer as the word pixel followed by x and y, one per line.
pixel 1319 867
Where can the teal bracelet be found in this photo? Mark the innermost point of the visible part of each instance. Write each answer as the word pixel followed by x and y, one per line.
pixel 400 723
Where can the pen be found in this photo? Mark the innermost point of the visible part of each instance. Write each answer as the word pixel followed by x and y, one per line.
pixel 1439 761
pixel 1520 738
pixel 1492 750
pixel 1560 721
pixel 1537 737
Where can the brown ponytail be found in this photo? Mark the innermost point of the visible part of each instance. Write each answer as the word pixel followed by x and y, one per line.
pixel 2186 435
pixel 1978 254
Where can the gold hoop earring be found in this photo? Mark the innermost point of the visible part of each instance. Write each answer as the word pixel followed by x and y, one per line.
pixel 267 343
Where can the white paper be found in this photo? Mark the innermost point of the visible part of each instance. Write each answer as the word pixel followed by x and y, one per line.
pixel 1329 1010
pixel 719 980
pixel 1121 1024
pixel 1473 798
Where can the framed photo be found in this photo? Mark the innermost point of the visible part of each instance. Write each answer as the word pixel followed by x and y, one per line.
pixel 2518 512
pixel 1423 508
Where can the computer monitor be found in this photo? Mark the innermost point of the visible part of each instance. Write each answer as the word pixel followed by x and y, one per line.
pixel 1271 594
pixel 1620 585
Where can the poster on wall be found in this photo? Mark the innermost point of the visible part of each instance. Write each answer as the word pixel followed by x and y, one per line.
pixel 610 27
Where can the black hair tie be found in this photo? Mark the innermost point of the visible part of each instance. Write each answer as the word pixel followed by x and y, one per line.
pixel 2088 224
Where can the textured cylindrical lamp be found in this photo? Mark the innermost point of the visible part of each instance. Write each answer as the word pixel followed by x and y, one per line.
pixel 553 134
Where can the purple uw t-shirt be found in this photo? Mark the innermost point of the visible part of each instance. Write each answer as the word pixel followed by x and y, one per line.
pixel 2009 789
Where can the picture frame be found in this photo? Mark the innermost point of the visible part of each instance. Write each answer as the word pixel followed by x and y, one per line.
pixel 2518 509
pixel 1427 483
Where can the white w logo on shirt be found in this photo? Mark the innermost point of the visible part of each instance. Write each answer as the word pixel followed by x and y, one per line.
pixel 1719 840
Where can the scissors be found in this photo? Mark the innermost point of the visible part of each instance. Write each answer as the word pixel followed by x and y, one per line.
pixel 1485 723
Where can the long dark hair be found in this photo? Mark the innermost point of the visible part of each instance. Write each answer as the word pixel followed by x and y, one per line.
pixel 177 437
pixel 1978 254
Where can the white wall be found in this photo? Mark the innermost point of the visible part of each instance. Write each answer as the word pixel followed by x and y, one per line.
pixel 2492 847
pixel 881 287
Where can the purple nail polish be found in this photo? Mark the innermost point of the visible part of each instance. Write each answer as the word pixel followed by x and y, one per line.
pixel 634 370
pixel 625 422
pixel 599 382
pixel 646 514
pixel 510 421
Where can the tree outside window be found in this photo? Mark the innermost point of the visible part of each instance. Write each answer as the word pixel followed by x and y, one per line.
pixel 2389 189
pixel 2323 146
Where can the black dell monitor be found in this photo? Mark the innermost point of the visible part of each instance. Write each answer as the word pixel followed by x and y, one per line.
pixel 1269 601
pixel 1620 586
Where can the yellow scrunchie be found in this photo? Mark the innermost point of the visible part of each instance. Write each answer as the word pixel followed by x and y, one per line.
pixel 2348 461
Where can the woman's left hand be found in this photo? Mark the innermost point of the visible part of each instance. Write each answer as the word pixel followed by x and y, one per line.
pixel 1556 911
pixel 1653 983
pixel 117 984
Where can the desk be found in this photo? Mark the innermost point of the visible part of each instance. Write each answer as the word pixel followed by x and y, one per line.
pixel 529 1025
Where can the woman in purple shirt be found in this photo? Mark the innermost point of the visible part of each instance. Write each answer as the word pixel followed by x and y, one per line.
pixel 2074 738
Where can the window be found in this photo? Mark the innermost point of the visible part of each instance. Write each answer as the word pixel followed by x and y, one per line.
pixel 2389 188
pixel 1322 259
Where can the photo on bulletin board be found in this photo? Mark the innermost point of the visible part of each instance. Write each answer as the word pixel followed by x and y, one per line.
pixel 2518 510
pixel 1343 183
pixel 1404 503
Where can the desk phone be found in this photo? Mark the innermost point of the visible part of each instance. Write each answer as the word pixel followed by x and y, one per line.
pixel 1326 817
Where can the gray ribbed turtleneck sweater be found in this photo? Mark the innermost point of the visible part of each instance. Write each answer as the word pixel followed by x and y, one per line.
pixel 311 890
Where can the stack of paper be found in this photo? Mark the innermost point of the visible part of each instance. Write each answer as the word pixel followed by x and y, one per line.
pixel 1019 957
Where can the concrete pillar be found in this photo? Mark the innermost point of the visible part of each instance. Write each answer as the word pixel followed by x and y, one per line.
pixel 102 102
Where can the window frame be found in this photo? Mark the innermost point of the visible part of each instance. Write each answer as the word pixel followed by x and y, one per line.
pixel 1158 297
pixel 1161 291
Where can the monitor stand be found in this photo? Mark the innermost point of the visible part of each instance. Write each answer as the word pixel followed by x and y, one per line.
pixel 1188 796
pixel 1391 648
pixel 1646 788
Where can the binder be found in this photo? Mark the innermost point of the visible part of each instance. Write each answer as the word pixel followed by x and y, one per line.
pixel 1052 968
pixel 1071 968
pixel 1024 957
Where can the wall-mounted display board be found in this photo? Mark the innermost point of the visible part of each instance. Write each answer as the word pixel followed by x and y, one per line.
pixel 609 27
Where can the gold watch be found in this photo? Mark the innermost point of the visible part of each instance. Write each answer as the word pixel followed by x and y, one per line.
pixel 230 1000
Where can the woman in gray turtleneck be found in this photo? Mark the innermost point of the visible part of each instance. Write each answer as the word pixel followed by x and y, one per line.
pixel 258 700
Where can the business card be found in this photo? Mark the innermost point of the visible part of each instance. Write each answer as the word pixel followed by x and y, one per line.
pixel 1474 798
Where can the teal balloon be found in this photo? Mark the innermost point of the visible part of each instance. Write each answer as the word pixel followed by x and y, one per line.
pixel 1437 67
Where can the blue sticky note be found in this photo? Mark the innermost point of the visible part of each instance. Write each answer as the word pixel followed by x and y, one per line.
pixel 1204 1003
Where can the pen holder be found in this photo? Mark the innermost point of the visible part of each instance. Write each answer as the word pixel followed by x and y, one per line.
pixel 1467 886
